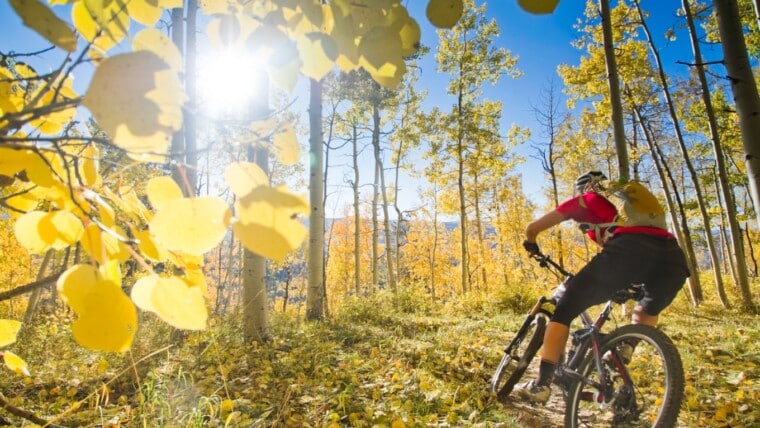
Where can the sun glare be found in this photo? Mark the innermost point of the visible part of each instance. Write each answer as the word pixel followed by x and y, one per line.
pixel 227 83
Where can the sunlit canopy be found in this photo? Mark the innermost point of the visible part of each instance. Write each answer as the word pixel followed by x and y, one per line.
pixel 228 83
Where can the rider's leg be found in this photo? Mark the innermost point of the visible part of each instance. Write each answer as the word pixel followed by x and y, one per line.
pixel 555 339
pixel 539 390
pixel 641 316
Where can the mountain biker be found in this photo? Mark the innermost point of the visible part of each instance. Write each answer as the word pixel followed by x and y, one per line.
pixel 629 254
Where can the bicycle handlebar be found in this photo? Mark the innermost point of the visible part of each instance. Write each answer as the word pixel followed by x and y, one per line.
pixel 545 261
pixel 634 292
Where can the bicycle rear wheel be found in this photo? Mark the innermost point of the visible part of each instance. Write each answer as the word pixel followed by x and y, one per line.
pixel 648 389
pixel 518 355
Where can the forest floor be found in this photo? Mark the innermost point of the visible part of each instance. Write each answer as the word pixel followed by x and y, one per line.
pixel 381 362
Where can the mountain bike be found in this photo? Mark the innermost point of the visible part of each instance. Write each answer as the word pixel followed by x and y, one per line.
pixel 601 385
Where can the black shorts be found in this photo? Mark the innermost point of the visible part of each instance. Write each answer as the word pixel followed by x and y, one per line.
pixel 625 259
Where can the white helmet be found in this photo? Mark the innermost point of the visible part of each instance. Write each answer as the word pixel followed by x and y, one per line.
pixel 590 181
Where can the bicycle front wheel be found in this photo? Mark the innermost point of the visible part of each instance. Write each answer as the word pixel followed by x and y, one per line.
pixel 643 391
pixel 518 355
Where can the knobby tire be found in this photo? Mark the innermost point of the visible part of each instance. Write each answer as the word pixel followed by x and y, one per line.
pixel 656 364
pixel 518 356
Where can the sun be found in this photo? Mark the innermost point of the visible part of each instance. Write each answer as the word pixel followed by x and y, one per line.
pixel 228 83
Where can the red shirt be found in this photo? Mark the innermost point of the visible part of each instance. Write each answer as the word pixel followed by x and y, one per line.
pixel 595 209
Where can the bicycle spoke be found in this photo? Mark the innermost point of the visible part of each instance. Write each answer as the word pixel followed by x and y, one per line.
pixel 646 392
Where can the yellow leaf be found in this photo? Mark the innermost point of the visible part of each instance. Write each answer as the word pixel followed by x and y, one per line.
pixel 136 98
pixel 285 74
pixel 8 331
pixel 38 170
pixel 263 128
pixel 89 165
pixel 126 199
pixel 68 227
pixel 54 122
pixel 106 318
pixel 286 143
pixel 194 277
pixel 155 41
pixel 318 52
pixel 103 23
pixel 213 7
pixel 378 46
pixel 144 12
pixel 445 13
pixel 35 231
pixel 722 412
pixel 538 6
pixel 267 222
pixel 110 322
pixel 228 30
pixel 15 363
pixel 59 94
pixel 112 17
pixel 103 246
pixel 368 15
pixel 41 19
pixel 191 225
pixel 381 52
pixel 24 201
pixel 148 246
pixel 70 281
pixel 25 71
pixel 410 37
pixel 111 271
pixel 390 74
pixel 142 292
pixel 12 161
pixel 227 406
pixel 11 94
pixel 179 304
pixel 243 177
pixel 161 190
pixel 345 38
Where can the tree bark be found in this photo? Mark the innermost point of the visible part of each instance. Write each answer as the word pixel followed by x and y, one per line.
pixel 255 301
pixel 191 60
pixel 178 139
pixel 391 275
pixel 315 294
pixel 618 126
pixel 464 253
pixel 357 213
pixel 745 94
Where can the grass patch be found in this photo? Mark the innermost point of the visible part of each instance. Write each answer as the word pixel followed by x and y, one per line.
pixel 375 363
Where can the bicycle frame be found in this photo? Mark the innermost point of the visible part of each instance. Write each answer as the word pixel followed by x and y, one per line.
pixel 587 337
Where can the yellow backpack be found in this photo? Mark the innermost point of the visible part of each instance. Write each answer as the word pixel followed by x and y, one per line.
pixel 636 205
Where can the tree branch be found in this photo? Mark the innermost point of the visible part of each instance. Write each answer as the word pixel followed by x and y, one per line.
pixel 31 417
pixel 693 64
pixel 5 295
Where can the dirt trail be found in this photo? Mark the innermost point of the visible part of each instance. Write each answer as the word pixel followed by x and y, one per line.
pixel 535 415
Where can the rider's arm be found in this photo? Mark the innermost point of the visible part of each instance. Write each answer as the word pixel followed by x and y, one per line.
pixel 547 221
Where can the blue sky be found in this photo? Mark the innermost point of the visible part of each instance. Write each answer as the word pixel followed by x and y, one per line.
pixel 541 42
